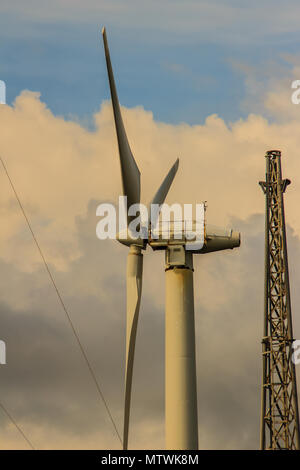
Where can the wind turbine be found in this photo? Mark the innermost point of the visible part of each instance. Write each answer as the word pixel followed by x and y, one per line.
pixel 181 421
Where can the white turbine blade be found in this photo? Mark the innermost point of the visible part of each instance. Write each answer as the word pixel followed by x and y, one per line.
pixel 163 190
pixel 134 291
pixel 129 168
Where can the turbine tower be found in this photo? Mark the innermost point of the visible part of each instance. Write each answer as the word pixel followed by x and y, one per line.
pixel 180 364
pixel 279 403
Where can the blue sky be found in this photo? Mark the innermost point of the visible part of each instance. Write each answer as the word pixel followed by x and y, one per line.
pixel 180 60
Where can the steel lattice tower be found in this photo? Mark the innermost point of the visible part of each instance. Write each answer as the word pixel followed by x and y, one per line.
pixel 279 404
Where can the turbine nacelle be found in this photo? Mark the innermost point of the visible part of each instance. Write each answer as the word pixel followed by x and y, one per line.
pixel 217 239
pixel 214 239
pixel 198 239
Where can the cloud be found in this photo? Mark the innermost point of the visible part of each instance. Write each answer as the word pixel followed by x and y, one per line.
pixel 269 89
pixel 58 166
pixel 62 172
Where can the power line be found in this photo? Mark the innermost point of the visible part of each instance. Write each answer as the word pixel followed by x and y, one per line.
pixel 16 425
pixel 64 307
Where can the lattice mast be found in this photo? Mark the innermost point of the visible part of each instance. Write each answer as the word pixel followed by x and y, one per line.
pixel 279 403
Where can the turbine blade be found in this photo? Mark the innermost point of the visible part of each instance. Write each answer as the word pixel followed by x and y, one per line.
pixel 129 168
pixel 163 190
pixel 134 291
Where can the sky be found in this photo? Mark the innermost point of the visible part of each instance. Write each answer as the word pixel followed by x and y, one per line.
pixel 209 82
pixel 180 60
